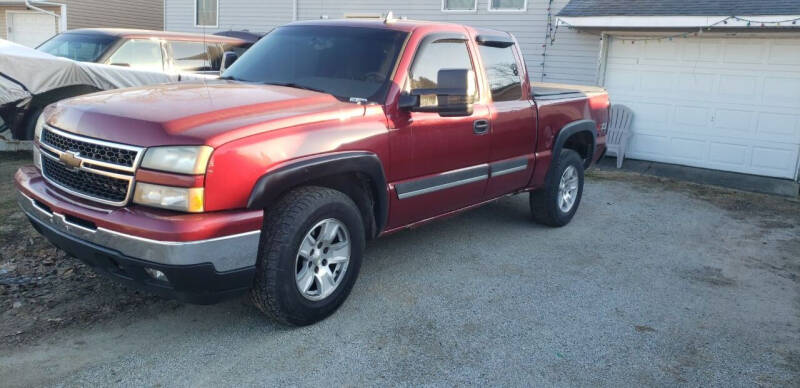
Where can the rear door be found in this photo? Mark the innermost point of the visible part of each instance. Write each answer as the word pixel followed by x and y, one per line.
pixel 513 118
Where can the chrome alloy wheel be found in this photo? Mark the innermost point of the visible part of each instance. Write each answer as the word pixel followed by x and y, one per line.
pixel 322 259
pixel 568 189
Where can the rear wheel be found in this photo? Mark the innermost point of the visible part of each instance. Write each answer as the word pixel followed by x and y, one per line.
pixel 310 253
pixel 557 202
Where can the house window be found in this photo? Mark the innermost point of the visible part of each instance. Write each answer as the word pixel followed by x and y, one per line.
pixel 507 5
pixel 459 5
pixel 205 13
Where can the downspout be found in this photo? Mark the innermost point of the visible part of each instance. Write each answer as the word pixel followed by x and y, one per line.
pixel 294 10
pixel 62 18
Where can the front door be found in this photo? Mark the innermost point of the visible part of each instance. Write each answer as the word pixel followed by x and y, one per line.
pixel 441 161
pixel 29 28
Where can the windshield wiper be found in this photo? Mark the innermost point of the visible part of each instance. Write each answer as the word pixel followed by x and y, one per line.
pixel 297 86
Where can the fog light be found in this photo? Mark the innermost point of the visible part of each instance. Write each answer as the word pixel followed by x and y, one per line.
pixel 156 274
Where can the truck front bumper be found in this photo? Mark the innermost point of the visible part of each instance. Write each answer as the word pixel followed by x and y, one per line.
pixel 199 271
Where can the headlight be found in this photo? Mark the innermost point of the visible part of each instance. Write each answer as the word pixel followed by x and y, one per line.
pixel 181 160
pixel 37 130
pixel 168 197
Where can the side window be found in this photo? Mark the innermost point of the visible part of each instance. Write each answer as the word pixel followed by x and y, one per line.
pixel 139 54
pixel 502 72
pixel 194 56
pixel 430 58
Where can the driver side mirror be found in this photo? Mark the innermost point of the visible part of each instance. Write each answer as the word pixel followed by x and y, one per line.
pixel 453 96
pixel 228 58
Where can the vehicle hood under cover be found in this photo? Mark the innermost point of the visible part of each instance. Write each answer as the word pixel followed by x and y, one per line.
pixel 211 113
pixel 25 72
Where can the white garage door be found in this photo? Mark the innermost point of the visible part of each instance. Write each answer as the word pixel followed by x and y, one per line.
pixel 722 103
pixel 30 28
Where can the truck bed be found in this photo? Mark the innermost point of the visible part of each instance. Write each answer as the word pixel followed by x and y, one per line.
pixel 550 91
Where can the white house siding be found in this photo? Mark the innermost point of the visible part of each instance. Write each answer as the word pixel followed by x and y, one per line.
pixel 572 59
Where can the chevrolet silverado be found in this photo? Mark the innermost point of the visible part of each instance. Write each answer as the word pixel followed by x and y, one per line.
pixel 325 134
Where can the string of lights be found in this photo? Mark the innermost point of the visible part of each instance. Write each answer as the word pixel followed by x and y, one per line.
pixel 549 37
pixel 552 30
pixel 725 21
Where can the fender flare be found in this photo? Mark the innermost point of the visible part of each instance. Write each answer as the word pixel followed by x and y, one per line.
pixel 274 183
pixel 572 128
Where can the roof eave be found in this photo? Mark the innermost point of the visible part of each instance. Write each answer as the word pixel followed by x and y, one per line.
pixel 677 21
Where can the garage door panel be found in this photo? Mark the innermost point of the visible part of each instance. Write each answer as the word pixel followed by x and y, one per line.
pixel 688 149
pixel 774 159
pixel 701 50
pixel 692 115
pixel 657 81
pixel 648 144
pixel 657 116
pixel 784 53
pixel 781 127
pixel 737 88
pixel 734 120
pixel 782 91
pixel 696 84
pixel 730 155
pixel 723 103
pixel 750 51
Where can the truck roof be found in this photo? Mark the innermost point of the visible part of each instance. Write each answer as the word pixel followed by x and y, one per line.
pixel 136 33
pixel 406 25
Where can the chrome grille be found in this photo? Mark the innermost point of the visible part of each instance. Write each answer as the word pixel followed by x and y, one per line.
pixel 94 151
pixel 88 168
pixel 86 183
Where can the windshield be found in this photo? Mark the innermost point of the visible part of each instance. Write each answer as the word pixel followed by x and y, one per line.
pixel 347 62
pixel 78 47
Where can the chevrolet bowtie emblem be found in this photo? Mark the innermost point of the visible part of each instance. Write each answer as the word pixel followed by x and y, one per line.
pixel 70 159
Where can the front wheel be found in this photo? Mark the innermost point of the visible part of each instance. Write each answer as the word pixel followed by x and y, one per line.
pixel 309 255
pixel 557 202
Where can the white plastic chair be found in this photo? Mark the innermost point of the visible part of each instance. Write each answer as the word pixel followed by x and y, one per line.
pixel 619 131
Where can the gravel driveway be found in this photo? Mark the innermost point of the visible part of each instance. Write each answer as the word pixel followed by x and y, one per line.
pixel 653 283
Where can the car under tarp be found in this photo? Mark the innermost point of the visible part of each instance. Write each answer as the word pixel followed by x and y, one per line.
pixel 30 80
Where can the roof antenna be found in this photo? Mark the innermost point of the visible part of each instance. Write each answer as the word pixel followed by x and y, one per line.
pixel 389 18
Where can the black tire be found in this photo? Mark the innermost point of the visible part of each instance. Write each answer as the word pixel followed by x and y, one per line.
pixel 275 291
pixel 544 202
pixel 30 122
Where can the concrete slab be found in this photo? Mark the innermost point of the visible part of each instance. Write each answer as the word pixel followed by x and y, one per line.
pixel 744 182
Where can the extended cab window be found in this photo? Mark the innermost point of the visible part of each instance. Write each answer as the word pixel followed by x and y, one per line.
pixel 196 56
pixel 432 57
pixel 502 72
pixel 139 54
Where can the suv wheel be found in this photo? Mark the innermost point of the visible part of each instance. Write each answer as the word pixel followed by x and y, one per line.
pixel 557 202
pixel 310 253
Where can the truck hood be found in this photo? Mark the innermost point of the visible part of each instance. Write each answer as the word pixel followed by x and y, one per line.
pixel 210 113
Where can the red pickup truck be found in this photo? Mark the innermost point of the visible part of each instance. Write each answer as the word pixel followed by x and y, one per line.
pixel 323 135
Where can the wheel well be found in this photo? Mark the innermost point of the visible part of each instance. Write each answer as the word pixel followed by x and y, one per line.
pixel 582 143
pixel 360 188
